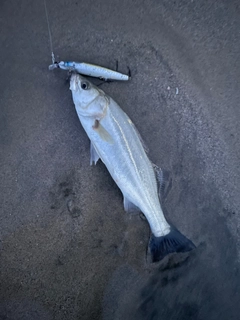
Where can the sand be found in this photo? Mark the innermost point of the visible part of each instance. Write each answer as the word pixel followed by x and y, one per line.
pixel 68 249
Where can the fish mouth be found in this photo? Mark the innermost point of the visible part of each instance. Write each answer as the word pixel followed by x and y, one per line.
pixel 75 81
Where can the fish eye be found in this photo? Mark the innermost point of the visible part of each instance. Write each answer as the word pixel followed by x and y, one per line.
pixel 84 85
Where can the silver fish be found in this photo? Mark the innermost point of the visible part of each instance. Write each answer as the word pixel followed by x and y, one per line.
pixel 115 140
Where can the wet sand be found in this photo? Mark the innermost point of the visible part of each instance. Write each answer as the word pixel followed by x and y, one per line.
pixel 68 249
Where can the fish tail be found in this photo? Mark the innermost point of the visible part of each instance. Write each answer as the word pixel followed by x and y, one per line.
pixel 174 241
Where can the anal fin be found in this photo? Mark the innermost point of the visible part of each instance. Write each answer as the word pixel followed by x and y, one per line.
pixel 129 206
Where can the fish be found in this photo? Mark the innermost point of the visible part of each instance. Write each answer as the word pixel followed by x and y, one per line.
pixel 91 70
pixel 115 140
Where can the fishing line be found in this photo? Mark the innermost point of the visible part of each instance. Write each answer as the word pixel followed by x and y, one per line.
pixel 49 32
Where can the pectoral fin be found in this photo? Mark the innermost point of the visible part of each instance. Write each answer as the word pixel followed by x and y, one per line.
pixel 103 133
pixel 94 157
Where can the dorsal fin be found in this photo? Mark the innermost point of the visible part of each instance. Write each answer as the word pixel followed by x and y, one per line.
pixel 139 136
pixel 164 182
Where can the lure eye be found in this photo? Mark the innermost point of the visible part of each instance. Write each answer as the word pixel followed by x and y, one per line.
pixel 85 85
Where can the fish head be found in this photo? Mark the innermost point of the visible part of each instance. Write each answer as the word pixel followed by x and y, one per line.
pixel 83 91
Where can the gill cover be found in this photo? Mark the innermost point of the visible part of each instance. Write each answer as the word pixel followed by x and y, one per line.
pixel 88 99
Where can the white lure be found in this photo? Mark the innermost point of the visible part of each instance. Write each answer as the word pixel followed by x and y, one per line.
pixel 90 70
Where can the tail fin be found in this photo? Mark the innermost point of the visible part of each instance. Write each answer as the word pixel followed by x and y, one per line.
pixel 174 241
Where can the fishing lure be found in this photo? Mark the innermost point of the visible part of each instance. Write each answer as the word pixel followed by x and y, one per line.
pixel 91 70
pixel 87 69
